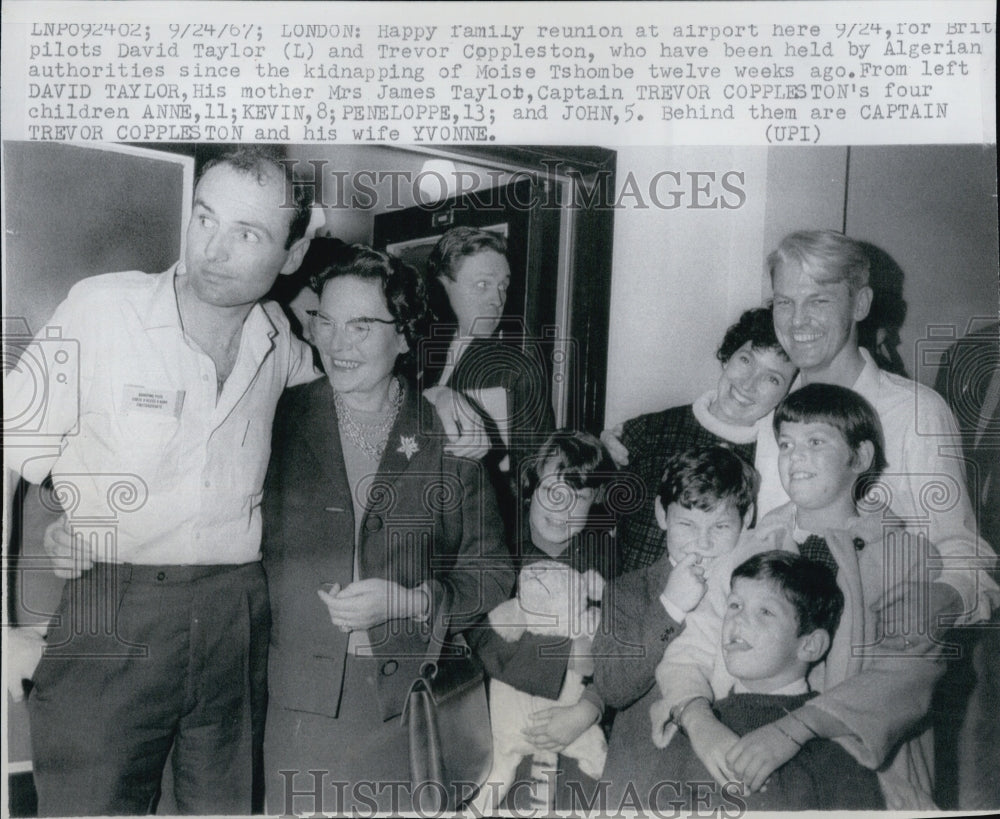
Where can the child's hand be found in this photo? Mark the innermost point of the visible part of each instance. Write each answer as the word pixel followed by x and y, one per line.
pixel 686 584
pixel 759 754
pixel 663 728
pixel 552 729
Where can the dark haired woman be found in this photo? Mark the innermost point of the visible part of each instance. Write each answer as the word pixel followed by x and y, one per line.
pixel 756 375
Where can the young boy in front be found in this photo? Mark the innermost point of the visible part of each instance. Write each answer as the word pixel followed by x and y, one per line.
pixel 702 504
pixel 877 679
pixel 781 614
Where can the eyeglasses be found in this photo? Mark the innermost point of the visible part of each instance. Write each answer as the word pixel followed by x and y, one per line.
pixel 356 329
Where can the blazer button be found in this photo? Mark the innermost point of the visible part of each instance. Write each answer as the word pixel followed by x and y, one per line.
pixel 389 667
pixel 373 523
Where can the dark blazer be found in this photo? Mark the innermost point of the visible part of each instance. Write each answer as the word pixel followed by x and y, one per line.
pixel 523 374
pixel 429 517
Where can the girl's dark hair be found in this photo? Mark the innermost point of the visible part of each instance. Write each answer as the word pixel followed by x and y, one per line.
pixel 844 410
pixel 580 460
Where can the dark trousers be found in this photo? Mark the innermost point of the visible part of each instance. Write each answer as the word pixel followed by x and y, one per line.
pixel 142 658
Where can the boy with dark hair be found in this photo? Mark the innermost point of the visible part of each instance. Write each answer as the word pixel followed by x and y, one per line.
pixel 781 615
pixel 704 501
pixel 878 678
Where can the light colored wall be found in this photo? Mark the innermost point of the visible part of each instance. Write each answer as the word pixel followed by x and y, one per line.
pixel 805 191
pixel 680 277
pixel 932 208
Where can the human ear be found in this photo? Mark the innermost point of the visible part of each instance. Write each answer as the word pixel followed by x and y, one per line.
pixel 293 261
pixel 813 646
pixel 863 457
pixel 863 303
pixel 661 514
pixel 402 345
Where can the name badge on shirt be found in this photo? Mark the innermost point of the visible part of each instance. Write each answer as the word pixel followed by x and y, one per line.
pixel 165 403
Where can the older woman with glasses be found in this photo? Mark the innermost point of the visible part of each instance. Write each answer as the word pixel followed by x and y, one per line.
pixel 369 529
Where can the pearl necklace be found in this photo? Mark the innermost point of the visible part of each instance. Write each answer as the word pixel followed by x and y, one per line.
pixel 370 438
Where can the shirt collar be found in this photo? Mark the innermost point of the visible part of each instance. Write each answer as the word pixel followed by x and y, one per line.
pixel 163 311
pixel 733 433
pixel 867 383
pixel 799 686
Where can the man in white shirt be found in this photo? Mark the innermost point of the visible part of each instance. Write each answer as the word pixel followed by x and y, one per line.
pixel 821 292
pixel 161 636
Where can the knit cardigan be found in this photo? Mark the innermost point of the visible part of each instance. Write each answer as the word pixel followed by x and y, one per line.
pixel 880 692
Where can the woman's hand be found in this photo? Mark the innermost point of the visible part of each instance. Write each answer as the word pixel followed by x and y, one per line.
pixel 466 434
pixel 710 739
pixel 612 440
pixel 371 602
pixel 760 753
pixel 552 729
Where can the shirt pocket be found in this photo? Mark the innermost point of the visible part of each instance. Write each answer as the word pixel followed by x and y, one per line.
pixel 149 444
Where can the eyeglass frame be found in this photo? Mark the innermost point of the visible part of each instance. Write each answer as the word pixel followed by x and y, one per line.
pixel 355 335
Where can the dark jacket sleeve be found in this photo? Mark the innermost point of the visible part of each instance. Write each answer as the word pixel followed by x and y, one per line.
pixel 481 576
pixel 534 664
pixel 635 434
pixel 635 630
